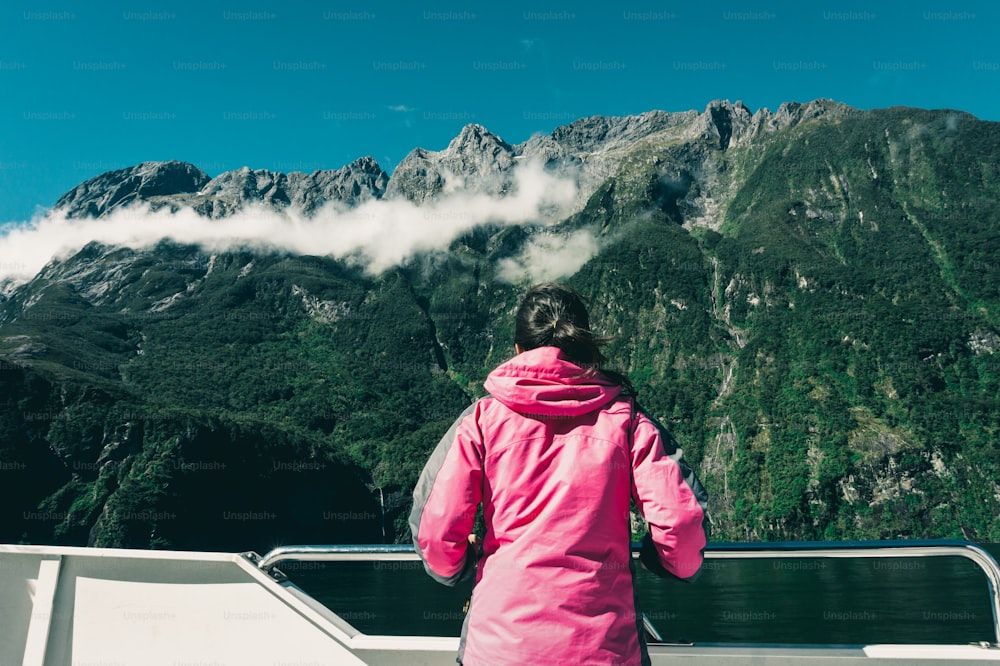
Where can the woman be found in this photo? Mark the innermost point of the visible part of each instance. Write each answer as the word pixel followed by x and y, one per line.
pixel 554 454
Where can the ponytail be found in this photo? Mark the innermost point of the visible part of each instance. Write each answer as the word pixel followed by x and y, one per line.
pixel 553 315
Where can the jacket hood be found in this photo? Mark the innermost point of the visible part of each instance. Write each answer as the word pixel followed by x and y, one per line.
pixel 544 382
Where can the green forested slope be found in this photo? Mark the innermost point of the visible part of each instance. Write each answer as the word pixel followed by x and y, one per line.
pixel 825 350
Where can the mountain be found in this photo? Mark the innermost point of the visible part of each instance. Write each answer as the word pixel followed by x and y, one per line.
pixel 142 182
pixel 807 298
pixel 178 185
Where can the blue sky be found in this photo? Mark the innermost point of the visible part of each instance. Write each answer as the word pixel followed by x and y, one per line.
pixel 89 87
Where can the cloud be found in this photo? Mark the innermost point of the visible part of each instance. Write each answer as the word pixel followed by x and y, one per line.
pixel 549 256
pixel 402 108
pixel 381 233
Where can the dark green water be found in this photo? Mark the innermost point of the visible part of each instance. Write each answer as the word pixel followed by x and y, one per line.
pixel 804 601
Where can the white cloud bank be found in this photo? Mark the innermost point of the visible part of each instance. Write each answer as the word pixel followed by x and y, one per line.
pixel 549 257
pixel 382 233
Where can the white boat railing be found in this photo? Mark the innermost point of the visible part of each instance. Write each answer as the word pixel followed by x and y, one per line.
pixel 714 551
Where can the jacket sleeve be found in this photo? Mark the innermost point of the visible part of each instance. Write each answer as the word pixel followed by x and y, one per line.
pixel 445 501
pixel 671 499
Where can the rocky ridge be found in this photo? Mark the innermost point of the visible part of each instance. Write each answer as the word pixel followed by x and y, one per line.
pixel 589 150
pixel 123 187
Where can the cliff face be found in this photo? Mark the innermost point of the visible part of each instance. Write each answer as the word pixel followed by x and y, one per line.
pixel 807 298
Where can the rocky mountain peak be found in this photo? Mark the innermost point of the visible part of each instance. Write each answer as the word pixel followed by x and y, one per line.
pixel 229 191
pixel 99 195
pixel 178 184
pixel 726 122
pixel 476 160
pixel 587 150
pixel 359 181
pixel 608 133
pixel 476 137
pixel 793 113
pixel 367 165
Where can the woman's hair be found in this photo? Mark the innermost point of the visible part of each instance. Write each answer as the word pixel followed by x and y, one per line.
pixel 553 315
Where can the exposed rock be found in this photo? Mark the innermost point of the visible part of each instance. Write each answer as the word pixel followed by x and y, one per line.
pixel 20 348
pixel 600 133
pixel 793 113
pixel 114 189
pixel 360 181
pixel 97 272
pixel 589 150
pixel 228 192
pixel 178 184
pixel 721 124
pixel 476 160
pixel 326 312
pixel 984 342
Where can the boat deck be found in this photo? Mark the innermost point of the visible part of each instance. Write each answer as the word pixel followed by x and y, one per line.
pixel 66 606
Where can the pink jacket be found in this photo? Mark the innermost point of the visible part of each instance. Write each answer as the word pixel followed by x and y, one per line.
pixel 550 457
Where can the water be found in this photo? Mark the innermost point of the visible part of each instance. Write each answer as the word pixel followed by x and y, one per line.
pixel 800 601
